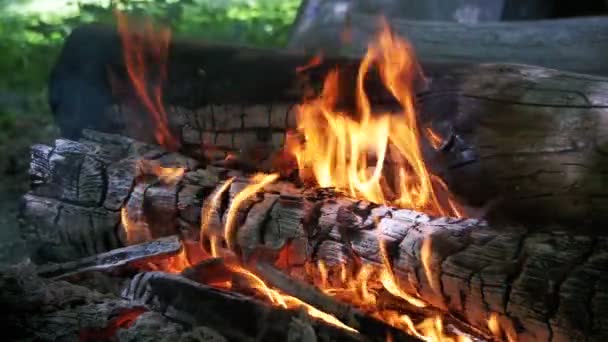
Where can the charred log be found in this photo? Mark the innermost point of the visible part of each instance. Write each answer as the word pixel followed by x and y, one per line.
pixel 198 304
pixel 543 284
pixel 114 260
pixel 46 310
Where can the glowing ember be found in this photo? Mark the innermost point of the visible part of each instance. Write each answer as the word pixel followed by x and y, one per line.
pixel 166 175
pixel 337 145
pixel 143 51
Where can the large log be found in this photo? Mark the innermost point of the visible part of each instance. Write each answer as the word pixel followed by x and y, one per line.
pixel 573 44
pixel 547 285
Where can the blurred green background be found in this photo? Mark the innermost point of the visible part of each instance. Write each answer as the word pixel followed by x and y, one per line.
pixel 31 35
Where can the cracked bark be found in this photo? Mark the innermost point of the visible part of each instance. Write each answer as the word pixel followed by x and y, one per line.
pixel 483 268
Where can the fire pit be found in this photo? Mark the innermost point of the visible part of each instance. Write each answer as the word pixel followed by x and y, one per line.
pixel 242 194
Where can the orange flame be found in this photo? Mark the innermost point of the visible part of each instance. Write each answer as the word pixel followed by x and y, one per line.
pixel 138 49
pixel 434 138
pixel 425 256
pixel 259 181
pixel 206 214
pixel 134 232
pixel 498 331
pixel 315 61
pixel 337 146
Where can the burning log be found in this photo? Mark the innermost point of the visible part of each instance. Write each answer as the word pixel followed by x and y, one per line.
pixel 115 259
pixel 198 304
pixel 527 142
pixel 535 284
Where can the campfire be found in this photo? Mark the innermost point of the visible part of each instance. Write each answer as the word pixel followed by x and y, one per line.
pixel 337 228
pixel 331 149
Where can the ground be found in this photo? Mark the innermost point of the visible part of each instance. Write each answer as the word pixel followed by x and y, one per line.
pixel 17 133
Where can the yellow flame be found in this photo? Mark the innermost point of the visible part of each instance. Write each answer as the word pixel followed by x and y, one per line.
pixel 337 146
pixel 287 301
pixel 206 214
pixel 259 181
pixel 498 331
pixel 425 256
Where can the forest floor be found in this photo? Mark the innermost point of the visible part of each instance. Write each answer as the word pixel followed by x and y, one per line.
pixel 20 129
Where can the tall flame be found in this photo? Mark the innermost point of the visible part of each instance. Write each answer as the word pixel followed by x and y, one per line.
pixel 145 54
pixel 337 145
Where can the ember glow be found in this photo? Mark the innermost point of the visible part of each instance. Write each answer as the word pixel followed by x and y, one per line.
pixel 145 51
pixel 135 232
pixel 337 146
pixel 166 175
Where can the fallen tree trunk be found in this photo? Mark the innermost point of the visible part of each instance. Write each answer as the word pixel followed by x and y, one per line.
pixel 573 44
pixel 546 285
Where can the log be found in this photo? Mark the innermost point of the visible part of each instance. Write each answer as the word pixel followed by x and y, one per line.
pixel 198 304
pixel 47 310
pixel 544 284
pixel 531 140
pixel 573 44
pixel 112 261
pixel 351 316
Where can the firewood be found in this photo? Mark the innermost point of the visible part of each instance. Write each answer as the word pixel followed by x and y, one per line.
pixel 115 259
pixel 544 283
pixel 347 314
pixel 49 310
pixel 523 41
pixel 236 316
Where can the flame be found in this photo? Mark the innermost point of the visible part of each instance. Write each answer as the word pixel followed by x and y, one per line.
pixel 169 175
pixel 259 181
pixel 315 61
pixel 134 232
pixel 207 212
pixel 425 256
pixel 434 138
pixel 500 332
pixel 142 52
pixel 337 145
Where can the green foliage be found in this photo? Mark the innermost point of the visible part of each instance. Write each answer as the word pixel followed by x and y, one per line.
pixel 30 41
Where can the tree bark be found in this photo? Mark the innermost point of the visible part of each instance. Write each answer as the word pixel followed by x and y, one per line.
pixel 575 44
pixel 546 285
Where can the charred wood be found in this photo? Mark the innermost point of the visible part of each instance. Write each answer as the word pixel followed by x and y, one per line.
pixel 116 259
pixel 238 317
pixel 542 284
